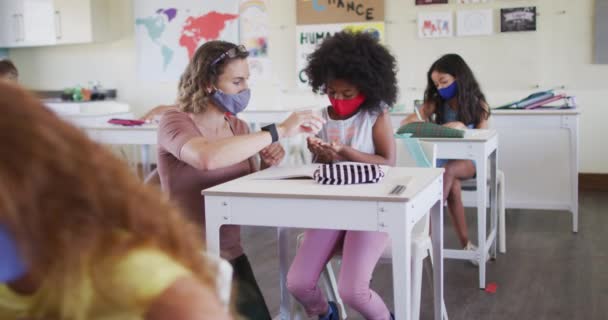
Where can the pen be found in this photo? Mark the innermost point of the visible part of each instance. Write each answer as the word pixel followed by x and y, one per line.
pixel 418 113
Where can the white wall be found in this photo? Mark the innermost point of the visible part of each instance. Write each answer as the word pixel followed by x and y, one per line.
pixel 509 66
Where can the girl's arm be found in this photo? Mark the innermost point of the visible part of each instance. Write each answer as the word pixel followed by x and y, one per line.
pixel 483 124
pixel 424 114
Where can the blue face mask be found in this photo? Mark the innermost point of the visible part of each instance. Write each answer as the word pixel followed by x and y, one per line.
pixel 11 265
pixel 233 103
pixel 449 92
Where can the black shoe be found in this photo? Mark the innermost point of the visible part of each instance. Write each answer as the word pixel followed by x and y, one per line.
pixel 392 316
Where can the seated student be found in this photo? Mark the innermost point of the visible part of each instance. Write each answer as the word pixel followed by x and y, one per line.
pixel 81 238
pixel 204 144
pixel 8 71
pixel 454 99
pixel 359 76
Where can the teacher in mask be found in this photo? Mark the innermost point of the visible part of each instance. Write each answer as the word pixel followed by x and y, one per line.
pixel 202 143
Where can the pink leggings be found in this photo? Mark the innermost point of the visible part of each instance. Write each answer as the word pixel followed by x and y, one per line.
pixel 361 251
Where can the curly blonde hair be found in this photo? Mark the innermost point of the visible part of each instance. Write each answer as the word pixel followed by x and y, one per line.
pixel 200 74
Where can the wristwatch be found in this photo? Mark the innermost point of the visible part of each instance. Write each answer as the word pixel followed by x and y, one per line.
pixel 272 129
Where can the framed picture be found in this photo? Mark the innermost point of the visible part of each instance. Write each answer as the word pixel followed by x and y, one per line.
pixel 518 19
pixel 423 2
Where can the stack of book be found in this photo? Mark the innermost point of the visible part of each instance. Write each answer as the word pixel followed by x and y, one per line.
pixel 541 99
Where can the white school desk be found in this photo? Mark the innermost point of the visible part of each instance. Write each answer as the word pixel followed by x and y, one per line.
pixel 482 147
pixel 306 204
pixel 111 134
pixel 539 157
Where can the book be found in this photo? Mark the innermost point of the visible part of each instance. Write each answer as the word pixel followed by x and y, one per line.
pixel 303 172
pixel 529 100
pixel 283 173
pixel 546 101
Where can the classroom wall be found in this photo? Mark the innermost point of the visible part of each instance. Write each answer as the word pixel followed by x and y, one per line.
pixel 509 66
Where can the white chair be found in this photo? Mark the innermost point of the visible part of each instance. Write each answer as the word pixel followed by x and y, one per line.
pixel 223 282
pixel 470 186
pixel 421 244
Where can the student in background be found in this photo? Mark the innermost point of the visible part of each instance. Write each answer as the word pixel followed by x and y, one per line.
pixel 359 76
pixel 203 144
pixel 8 71
pixel 81 238
pixel 156 113
pixel 454 99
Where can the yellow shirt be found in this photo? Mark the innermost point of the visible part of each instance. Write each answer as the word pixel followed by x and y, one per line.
pixel 133 284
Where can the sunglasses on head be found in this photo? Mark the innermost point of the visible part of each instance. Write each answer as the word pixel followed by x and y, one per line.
pixel 231 53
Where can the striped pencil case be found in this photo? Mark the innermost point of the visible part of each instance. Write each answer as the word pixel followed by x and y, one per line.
pixel 342 173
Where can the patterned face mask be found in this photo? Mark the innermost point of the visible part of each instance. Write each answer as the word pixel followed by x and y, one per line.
pixel 233 103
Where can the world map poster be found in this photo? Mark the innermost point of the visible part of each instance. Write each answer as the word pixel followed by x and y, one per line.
pixel 167 33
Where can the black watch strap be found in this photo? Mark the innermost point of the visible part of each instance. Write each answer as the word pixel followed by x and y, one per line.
pixel 272 129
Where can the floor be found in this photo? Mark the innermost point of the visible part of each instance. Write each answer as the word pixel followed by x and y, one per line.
pixel 548 272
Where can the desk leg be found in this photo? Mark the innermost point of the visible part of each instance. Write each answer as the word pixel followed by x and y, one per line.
pixel 145 159
pixel 482 197
pixel 573 129
pixel 283 242
pixel 437 240
pixel 400 233
pixel 216 212
pixel 494 202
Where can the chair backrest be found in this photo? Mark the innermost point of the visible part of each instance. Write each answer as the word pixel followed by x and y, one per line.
pixel 223 278
pixel 405 158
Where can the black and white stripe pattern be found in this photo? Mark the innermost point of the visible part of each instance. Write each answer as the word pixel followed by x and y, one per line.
pixel 348 173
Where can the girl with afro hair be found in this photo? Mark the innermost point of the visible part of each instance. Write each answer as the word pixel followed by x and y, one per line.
pixel 359 76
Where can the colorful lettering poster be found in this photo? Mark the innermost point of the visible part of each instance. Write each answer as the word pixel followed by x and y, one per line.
pixel 435 24
pixel 518 19
pixel 338 11
pixel 308 37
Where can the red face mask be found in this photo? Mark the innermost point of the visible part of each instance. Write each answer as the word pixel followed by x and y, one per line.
pixel 346 107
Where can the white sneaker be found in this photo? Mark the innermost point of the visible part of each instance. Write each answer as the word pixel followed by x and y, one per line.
pixel 472 247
